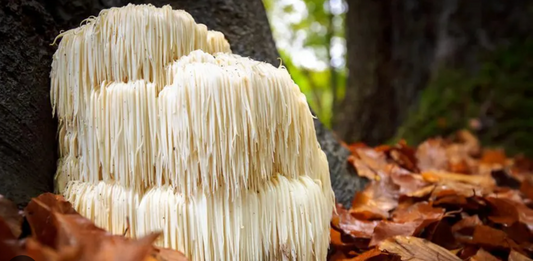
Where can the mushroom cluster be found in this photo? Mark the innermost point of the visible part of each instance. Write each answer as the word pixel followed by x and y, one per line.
pixel 161 127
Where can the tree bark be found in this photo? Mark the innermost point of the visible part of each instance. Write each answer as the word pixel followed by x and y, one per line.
pixel 390 45
pixel 27 125
pixel 27 129
pixel 395 48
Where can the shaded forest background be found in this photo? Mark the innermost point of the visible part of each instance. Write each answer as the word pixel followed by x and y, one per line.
pixel 380 71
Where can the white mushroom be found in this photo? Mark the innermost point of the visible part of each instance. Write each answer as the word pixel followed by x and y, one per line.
pixel 217 150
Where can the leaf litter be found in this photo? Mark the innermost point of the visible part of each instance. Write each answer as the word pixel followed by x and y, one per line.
pixel 446 199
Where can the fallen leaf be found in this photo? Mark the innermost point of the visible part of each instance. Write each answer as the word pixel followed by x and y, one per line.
pixel 419 211
pixel 441 234
pixel 416 249
pixel 459 166
pixel 515 256
pixel 526 188
pixel 40 252
pixel 438 176
pixel 9 245
pixel 408 182
pixel 431 154
pixel 483 255
pixel 362 169
pixel 388 229
pixel 422 192
pixel 468 251
pixel 353 226
pixel 375 254
pixel 375 201
pixel 11 216
pixel 469 141
pixel 489 237
pixel 339 256
pixel 507 212
pixel 375 160
pixel 466 226
pixel 337 242
pixel 404 156
pixel 495 157
pixel 520 234
pixel 39 215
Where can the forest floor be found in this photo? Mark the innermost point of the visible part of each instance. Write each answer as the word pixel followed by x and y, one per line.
pixel 446 199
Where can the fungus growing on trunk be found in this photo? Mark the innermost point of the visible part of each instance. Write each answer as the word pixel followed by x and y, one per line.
pixel 161 126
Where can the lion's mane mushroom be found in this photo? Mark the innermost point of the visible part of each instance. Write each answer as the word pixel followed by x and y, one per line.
pixel 162 126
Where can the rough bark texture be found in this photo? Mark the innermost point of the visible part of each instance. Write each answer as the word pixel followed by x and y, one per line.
pixel 367 113
pixel 389 47
pixel 32 166
pixel 27 130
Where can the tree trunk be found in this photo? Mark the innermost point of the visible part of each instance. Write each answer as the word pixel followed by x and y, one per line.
pixel 27 140
pixel 390 46
pixel 27 129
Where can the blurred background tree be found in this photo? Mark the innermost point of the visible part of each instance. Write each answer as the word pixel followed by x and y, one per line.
pixel 310 39
pixel 378 71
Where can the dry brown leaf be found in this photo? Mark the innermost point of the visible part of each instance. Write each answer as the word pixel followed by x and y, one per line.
pixel 489 237
pixel 469 141
pixel 39 216
pixel 431 154
pixel 11 216
pixel 337 242
pixel 388 229
pixel 362 169
pixel 444 176
pixel 466 226
pixel 483 255
pixel 419 211
pixel 375 201
pixel 527 188
pixel 135 250
pixel 401 154
pixel 506 211
pixel 375 254
pixel 407 181
pixel 9 245
pixel 416 249
pixel 375 160
pixel 358 228
pixel 515 256
pixel 423 192
pixel 494 157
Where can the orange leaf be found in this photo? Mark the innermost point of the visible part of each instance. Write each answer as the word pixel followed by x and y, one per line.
pixel 11 216
pixel 515 256
pixel 506 211
pixel 416 249
pixel 376 200
pixel 418 211
pixel 388 229
pixel 483 255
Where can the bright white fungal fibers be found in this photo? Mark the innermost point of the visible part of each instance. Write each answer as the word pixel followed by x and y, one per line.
pixel 162 128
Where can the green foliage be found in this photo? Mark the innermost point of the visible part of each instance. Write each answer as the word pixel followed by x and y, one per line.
pixel 498 95
pixel 315 85
pixel 317 26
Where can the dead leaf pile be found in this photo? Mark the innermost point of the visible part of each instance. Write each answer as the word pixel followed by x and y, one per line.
pixel 59 233
pixel 447 199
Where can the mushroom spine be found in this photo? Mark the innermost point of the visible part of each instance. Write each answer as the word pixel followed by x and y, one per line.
pixel 161 125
